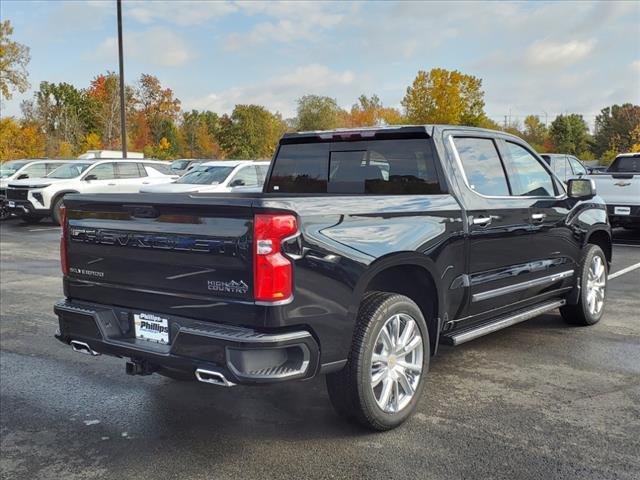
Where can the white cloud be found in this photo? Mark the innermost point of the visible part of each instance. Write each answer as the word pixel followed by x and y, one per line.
pixel 154 47
pixel 543 53
pixel 182 13
pixel 288 22
pixel 635 65
pixel 279 92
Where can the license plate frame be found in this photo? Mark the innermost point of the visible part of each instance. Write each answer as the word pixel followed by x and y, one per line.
pixel 622 210
pixel 151 327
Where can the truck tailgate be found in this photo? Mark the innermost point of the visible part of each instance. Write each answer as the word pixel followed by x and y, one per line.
pixel 176 245
pixel 619 188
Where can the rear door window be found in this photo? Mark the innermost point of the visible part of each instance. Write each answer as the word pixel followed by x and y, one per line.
pixel 246 177
pixel 527 176
pixel 128 170
pixel 482 166
pixel 381 167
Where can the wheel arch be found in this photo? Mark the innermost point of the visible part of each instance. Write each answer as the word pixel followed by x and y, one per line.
pixel 408 274
pixel 602 238
pixel 55 198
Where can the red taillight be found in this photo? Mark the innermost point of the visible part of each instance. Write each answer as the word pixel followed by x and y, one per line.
pixel 272 271
pixel 64 261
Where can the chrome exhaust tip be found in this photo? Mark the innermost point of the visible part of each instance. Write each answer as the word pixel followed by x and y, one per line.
pixel 211 376
pixel 82 347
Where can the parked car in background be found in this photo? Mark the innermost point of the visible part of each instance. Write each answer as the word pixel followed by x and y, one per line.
pixel 36 198
pixel 367 249
pixel 96 154
pixel 179 167
pixel 564 166
pixel 218 176
pixel 619 186
pixel 19 170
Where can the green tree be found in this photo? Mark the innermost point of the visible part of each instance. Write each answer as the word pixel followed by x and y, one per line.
pixel 318 113
pixel 446 97
pixel 64 113
pixel 615 127
pixel 535 132
pixel 199 131
pixel 250 132
pixel 14 58
pixel 569 134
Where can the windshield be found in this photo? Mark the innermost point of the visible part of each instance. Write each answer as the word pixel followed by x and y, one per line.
pixel 179 164
pixel 9 168
pixel 203 175
pixel 69 170
pixel 626 164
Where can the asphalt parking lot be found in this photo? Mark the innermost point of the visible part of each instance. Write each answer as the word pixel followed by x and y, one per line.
pixel 538 400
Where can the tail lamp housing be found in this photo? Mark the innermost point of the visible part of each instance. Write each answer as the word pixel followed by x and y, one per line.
pixel 272 271
pixel 64 258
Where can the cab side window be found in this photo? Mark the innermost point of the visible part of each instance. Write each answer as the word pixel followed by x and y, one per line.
pixel 527 176
pixel 578 168
pixel 482 165
pixel 559 165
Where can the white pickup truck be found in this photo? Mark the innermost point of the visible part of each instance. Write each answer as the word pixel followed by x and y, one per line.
pixel 619 186
pixel 36 198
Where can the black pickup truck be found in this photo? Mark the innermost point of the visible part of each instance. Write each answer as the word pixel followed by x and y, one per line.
pixel 365 251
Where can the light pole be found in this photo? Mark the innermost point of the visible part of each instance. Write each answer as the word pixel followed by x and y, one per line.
pixel 123 126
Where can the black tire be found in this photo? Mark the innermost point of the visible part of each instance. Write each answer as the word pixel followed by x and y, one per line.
pixel 55 210
pixel 350 389
pixel 30 219
pixel 581 314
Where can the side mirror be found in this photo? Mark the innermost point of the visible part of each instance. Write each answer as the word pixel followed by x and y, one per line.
pixel 22 176
pixel 90 177
pixel 581 188
pixel 237 183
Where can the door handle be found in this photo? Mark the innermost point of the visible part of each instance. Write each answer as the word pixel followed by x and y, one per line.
pixel 538 217
pixel 111 184
pixel 146 183
pixel 482 221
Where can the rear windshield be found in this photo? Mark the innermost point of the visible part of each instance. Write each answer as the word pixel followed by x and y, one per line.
pixel 69 170
pixel 626 164
pixel 203 175
pixel 391 167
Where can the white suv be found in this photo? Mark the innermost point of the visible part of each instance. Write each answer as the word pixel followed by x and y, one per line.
pixel 219 176
pixel 37 198
pixel 20 169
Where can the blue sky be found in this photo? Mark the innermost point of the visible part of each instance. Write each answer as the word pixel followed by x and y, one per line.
pixel 533 57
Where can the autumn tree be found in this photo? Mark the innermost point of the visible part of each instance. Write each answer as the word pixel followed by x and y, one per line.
pixel 446 97
pixel 104 95
pixel 20 141
pixel 614 128
pixel 14 58
pixel 157 104
pixel 318 113
pixel 570 134
pixel 250 132
pixel 369 111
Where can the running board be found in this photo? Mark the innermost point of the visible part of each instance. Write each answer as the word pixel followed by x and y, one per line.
pixel 475 331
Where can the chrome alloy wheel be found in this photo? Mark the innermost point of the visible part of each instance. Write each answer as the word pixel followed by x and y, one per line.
pixel 396 363
pixel 596 283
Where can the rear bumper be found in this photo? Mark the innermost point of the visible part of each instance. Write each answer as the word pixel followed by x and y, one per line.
pixel 242 355
pixel 630 219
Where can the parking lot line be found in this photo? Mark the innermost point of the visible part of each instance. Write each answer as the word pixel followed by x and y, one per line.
pixel 624 270
pixel 43 229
